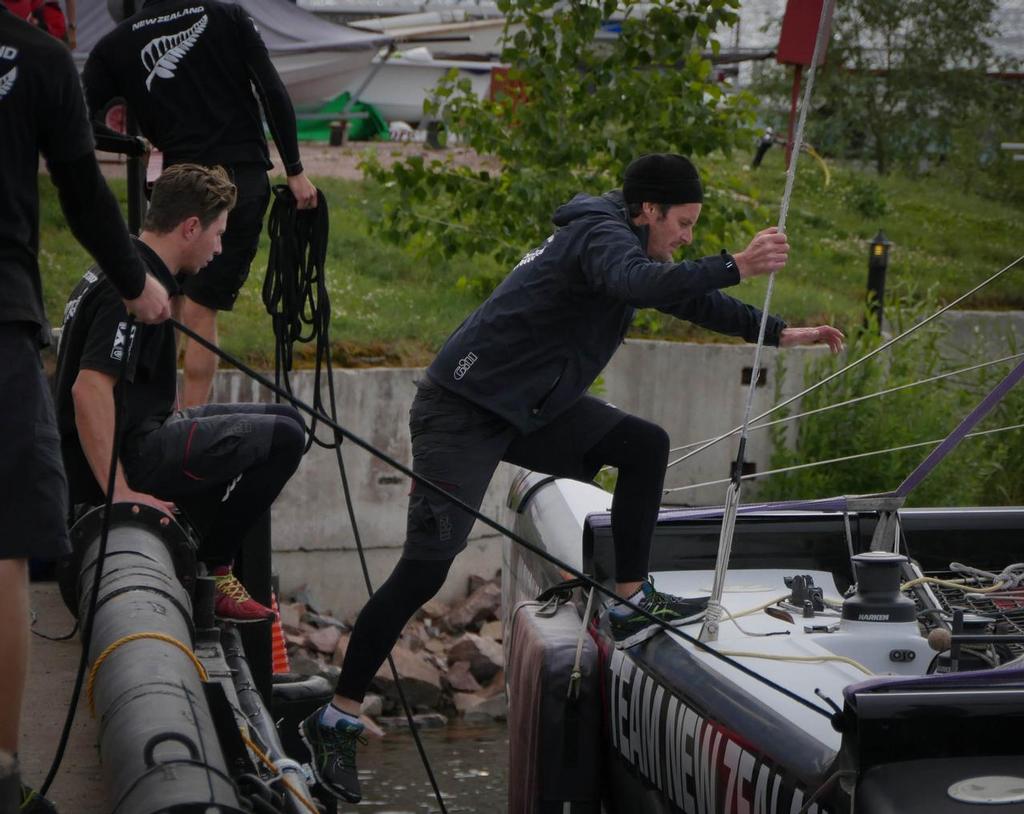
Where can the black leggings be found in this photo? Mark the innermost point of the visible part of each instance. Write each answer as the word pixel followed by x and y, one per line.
pixel 638 448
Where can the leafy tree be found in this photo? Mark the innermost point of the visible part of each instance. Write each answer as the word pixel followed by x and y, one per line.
pixel 903 78
pixel 574 111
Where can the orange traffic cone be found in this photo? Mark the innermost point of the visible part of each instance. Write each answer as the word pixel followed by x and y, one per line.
pixel 280 652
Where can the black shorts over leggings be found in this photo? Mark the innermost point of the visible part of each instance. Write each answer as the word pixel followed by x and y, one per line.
pixel 458 445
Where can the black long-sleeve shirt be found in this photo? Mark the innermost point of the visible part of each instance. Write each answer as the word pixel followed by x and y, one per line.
pixel 546 333
pixel 42 111
pixel 189 71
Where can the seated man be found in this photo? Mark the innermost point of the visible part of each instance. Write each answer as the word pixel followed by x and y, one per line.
pixel 221 464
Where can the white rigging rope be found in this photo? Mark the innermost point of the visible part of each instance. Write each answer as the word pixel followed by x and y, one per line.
pixel 833 376
pixel 709 631
pixel 829 461
pixel 858 399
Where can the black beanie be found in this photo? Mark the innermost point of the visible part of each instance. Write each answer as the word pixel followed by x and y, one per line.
pixel 664 178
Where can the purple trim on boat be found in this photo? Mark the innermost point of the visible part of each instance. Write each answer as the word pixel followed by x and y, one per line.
pixel 975 679
pixel 965 426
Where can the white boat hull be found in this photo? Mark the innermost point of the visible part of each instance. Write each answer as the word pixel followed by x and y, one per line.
pixel 401 85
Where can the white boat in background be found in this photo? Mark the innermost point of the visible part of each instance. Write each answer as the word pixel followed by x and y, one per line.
pixel 316 59
pixel 451 34
pixel 397 85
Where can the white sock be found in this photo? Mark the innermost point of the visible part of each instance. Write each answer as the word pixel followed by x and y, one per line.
pixel 331 715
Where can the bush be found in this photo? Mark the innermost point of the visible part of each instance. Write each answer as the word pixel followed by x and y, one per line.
pixel 987 470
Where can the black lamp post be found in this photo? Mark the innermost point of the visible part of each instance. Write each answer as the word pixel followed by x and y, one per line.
pixel 878 262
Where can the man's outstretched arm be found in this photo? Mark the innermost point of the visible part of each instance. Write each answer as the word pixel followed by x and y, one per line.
pixel 93 395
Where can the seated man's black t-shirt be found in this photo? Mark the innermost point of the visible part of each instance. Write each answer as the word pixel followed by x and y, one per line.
pixel 96 336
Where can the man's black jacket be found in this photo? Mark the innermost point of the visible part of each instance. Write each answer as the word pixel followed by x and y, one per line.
pixel 539 341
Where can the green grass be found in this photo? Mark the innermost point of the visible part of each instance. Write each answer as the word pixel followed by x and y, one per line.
pixel 390 307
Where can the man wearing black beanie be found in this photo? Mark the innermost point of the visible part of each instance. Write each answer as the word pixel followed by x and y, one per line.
pixel 510 385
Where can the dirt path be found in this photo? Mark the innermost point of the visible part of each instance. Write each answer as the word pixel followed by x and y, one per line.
pixel 322 160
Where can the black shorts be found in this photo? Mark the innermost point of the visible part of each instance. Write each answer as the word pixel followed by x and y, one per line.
pixel 217 285
pixel 34 499
pixel 200 450
pixel 458 445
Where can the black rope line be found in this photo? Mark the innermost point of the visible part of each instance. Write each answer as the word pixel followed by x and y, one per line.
pixel 64 638
pixel 295 294
pixel 90 614
pixel 494 524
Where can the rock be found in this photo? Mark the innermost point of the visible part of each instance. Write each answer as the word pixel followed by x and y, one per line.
pixel 433 609
pixel 475 706
pixel 495 686
pixel 373 705
pixel 492 630
pixel 474 582
pixel 460 679
pixel 304 664
pixel 296 640
pixel 424 720
pixel 480 606
pixel 370 726
pixel 291 615
pixel 435 646
pixel 421 681
pixel 324 621
pixel 414 635
pixel 485 656
pixel 331 673
pixel 325 640
pixel 304 597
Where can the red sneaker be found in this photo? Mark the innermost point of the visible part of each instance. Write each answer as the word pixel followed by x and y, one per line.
pixel 233 603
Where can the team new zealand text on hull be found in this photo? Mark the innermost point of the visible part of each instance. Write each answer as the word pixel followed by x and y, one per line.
pixel 693 760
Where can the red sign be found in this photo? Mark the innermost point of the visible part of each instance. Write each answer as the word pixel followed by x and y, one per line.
pixel 799 30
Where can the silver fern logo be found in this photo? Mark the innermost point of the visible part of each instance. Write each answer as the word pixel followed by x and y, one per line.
pixel 7 81
pixel 162 55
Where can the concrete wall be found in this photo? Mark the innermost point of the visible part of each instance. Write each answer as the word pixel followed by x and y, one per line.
pixel 694 391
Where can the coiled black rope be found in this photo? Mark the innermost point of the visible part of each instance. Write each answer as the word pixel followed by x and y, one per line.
pixel 295 295
pixel 234 361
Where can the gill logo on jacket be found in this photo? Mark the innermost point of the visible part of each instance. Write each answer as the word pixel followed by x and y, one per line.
pixel 533 254
pixel 161 55
pixel 693 760
pixel 465 363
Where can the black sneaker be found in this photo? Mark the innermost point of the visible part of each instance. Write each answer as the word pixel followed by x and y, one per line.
pixel 332 753
pixel 33 803
pixel 630 628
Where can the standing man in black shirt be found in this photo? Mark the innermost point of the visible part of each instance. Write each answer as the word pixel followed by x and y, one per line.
pixel 41 110
pixel 188 70
pixel 222 464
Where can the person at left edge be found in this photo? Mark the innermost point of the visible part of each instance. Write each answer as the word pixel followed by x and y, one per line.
pixel 41 111
pixel 221 464
pixel 197 76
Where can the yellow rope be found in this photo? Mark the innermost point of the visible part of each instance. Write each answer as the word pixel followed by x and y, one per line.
pixel 774 657
pixel 133 637
pixel 279 774
pixel 957 584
